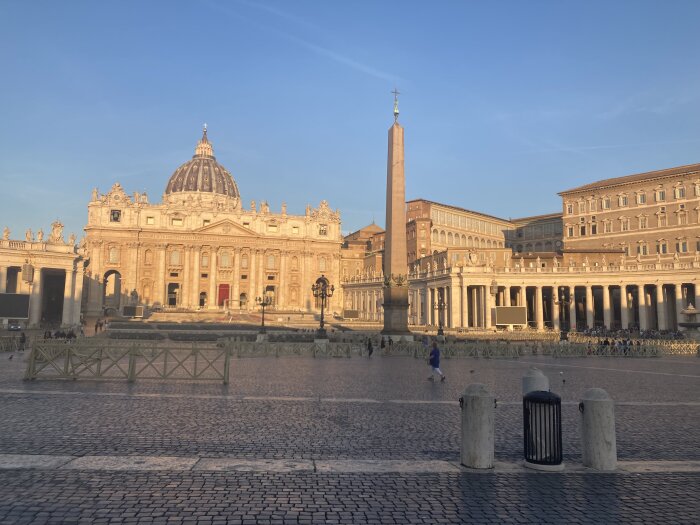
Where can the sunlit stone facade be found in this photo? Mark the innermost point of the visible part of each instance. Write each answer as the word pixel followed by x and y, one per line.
pixel 200 249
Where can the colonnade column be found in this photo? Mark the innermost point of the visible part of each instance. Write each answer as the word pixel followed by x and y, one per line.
pixel 589 306
pixel 643 310
pixel 506 296
pixel 556 304
pixel 35 299
pixel 522 295
pixel 67 314
pixel 454 306
pixel 237 276
pixel 475 309
pixel 160 293
pixel 465 305
pixel 607 317
pixel 539 314
pixel 3 279
pixel 78 293
pixel 679 304
pixel 696 304
pixel 572 308
pixel 186 291
pixel 624 307
pixel 488 302
pixel 660 307
pixel 212 280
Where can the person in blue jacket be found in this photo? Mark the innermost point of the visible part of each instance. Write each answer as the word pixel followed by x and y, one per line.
pixel 435 363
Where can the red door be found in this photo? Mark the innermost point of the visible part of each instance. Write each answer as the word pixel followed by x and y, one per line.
pixel 223 294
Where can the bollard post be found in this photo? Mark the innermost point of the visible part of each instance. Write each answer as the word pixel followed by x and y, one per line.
pixel 478 406
pixel 598 443
pixel 535 380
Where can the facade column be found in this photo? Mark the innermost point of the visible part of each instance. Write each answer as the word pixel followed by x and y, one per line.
pixel 3 279
pixel 252 274
pixel 213 303
pixel 506 296
pixel 679 305
pixel 35 299
pixel 661 307
pixel 643 310
pixel 589 306
pixel 475 308
pixel 696 304
pixel 539 314
pixel 237 277
pixel 572 308
pixel 607 314
pixel 161 280
pixel 624 307
pixel 282 283
pixel 67 314
pixel 465 305
pixel 522 296
pixel 197 256
pixel 555 305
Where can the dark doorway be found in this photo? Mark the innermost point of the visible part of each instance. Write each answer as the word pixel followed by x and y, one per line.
pixel 52 287
pixel 173 294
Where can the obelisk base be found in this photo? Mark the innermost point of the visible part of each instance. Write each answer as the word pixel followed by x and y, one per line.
pixel 396 312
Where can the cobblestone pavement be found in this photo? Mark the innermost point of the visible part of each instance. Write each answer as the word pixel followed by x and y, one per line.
pixel 338 408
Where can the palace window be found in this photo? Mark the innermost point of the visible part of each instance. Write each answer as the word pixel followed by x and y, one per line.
pixel 661 247
pixel 114 255
pixel 682 246
pixel 662 219
pixel 244 261
pixel 605 203
pixel 660 195
pixel 150 220
pixel 594 228
pixel 642 249
pixel 272 228
pixel 206 222
pixel 295 230
pixel 624 224
pixel 697 190
pixel 323 229
pixel 592 205
pixel 643 223
pixel 582 231
pixel 622 201
pixel 641 198
pixel 271 261
pixel 115 216
pixel 225 260
pixel 177 221
pixel 582 207
pixel 205 260
pixel 682 219
pixel 569 233
pixel 148 257
pixel 175 257
pixel 679 192
pixel 322 264
pixel 607 227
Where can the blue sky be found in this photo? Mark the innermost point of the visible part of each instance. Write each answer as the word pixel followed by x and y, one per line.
pixel 504 103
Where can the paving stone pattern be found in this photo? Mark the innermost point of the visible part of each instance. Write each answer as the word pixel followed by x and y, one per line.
pixel 316 409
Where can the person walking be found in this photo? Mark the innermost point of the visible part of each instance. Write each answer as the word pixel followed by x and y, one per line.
pixel 370 349
pixel 22 342
pixel 435 363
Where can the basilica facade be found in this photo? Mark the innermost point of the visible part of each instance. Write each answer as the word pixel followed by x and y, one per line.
pixel 201 249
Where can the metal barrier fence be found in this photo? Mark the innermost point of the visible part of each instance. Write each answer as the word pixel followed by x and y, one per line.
pixel 89 359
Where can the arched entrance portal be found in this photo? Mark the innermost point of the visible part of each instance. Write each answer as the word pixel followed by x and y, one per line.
pixel 243 301
pixel 112 290
pixel 270 292
pixel 202 299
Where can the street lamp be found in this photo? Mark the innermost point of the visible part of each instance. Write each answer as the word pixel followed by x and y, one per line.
pixel 562 303
pixel 322 291
pixel 440 305
pixel 263 301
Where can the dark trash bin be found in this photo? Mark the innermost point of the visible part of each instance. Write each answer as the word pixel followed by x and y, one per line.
pixel 542 429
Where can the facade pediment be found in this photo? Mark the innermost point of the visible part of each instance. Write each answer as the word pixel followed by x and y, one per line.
pixel 227 227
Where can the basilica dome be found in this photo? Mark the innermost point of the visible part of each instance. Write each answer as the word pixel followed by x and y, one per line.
pixel 203 174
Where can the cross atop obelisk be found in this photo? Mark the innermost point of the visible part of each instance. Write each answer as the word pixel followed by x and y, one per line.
pixel 395 263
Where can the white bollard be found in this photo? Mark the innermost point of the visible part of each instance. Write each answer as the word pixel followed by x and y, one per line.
pixel 598 443
pixel 535 380
pixel 478 406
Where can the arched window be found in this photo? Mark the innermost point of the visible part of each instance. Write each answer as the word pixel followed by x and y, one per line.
pixel 450 239
pixel 443 237
pixel 148 257
pixel 225 260
pixel 175 257
pixel 435 236
pixel 463 239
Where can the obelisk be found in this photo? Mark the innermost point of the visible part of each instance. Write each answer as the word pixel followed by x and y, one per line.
pixel 395 263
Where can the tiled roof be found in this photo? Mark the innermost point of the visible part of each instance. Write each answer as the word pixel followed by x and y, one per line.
pixel 638 177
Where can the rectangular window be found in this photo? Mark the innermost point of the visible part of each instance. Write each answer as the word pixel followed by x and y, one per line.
pixel 206 222
pixel 642 223
pixel 244 277
pixel 660 195
pixel 591 205
pixel 661 248
pixel 622 200
pixel 246 224
pixel 582 231
pixel 177 221
pixel 582 207
pixel 295 230
pixel 323 229
pixel 682 246
pixel 205 275
pixel 605 203
pixel 680 192
pixel 682 219
pixel 608 227
pixel 270 277
pixel 594 229
pixel 625 225
pixel 662 220
pixel 115 216
pixel 173 274
pixel 641 198
pixel 150 220
pixel 570 231
pixel 569 209
pixel 272 228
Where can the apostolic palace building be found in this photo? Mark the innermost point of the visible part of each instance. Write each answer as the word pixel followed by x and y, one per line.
pixel 621 252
